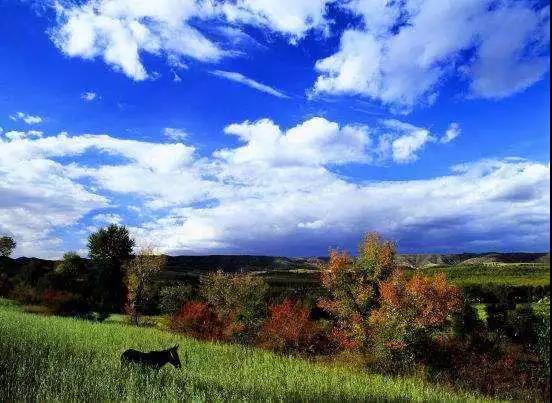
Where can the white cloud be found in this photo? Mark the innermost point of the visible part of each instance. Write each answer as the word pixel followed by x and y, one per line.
pixel 452 132
pixel 406 146
pixel 240 78
pixel 316 141
pixel 175 133
pixel 405 50
pixel 278 193
pixel 19 135
pixel 120 31
pixel 291 17
pixel 89 96
pixel 503 206
pixel 29 119
pixel 107 218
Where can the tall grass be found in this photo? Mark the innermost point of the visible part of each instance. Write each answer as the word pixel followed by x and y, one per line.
pixel 51 358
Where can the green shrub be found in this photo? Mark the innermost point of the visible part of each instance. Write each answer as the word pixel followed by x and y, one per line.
pixel 172 298
pixel 241 297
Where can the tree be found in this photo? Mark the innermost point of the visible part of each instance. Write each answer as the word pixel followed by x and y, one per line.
pixel 140 274
pixel 7 245
pixel 112 244
pixel 412 313
pixel 71 266
pixel 110 248
pixel 353 284
pixel 71 274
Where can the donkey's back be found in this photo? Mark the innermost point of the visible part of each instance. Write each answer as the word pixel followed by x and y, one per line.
pixel 135 356
pixel 152 359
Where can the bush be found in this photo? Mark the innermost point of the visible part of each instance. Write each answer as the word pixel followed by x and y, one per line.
pixel 25 294
pixel 507 372
pixel 31 273
pixel 64 303
pixel 197 319
pixel 6 285
pixel 172 298
pixel 237 300
pixel 466 321
pixel 289 328
pixel 497 315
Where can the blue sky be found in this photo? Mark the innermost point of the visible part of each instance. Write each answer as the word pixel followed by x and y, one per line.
pixel 275 127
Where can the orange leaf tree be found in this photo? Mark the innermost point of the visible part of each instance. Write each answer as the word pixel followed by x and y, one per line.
pixel 412 313
pixel 352 284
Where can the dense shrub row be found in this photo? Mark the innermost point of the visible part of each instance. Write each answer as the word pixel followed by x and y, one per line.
pixel 509 294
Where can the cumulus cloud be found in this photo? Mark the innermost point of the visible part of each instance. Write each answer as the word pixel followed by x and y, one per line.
pixel 470 209
pixel 119 32
pixel 277 193
pixel 405 50
pixel 316 141
pixel 410 141
pixel 27 118
pixel 240 78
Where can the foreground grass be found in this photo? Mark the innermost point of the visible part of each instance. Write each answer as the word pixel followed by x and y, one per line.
pixel 52 358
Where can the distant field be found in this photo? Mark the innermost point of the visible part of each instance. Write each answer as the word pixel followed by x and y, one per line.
pixel 527 274
pixel 52 358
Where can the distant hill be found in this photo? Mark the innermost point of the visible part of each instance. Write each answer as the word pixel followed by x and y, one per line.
pixel 426 260
pixel 248 263
pixel 239 263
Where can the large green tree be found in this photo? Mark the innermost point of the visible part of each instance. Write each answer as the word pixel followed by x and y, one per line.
pixel 110 248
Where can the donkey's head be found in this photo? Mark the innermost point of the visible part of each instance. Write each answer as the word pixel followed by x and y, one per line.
pixel 174 359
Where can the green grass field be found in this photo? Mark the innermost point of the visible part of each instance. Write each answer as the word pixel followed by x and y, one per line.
pixel 500 274
pixel 45 358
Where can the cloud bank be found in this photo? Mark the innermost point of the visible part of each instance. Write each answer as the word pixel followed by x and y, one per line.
pixel 278 192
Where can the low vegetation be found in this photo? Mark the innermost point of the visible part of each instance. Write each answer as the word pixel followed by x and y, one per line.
pixel 62 358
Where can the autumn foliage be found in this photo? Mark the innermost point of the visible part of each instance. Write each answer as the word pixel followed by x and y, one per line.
pixel 412 314
pixel 197 319
pixel 352 284
pixel 288 327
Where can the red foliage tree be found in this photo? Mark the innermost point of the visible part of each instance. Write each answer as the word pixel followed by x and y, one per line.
pixel 288 327
pixel 412 312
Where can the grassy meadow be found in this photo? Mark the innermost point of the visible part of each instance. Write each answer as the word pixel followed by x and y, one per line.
pixel 51 358
pixel 508 274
